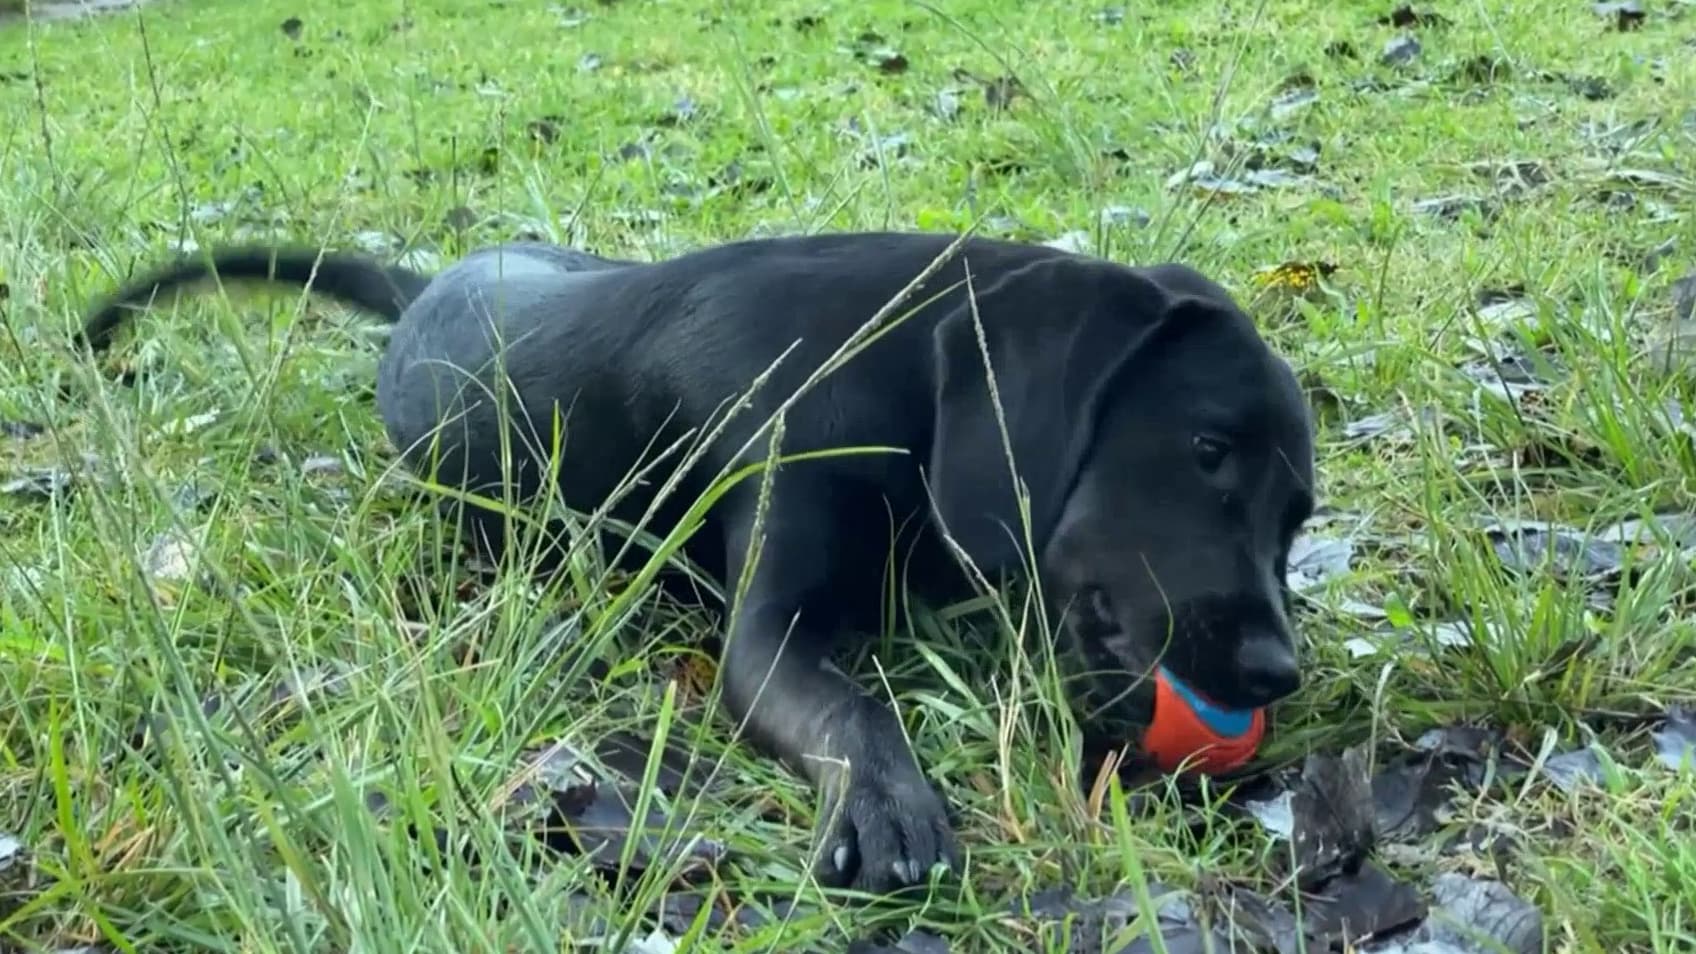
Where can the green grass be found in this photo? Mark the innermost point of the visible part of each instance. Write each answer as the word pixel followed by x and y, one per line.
pixel 446 124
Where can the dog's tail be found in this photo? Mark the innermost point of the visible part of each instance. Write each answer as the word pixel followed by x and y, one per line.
pixel 356 280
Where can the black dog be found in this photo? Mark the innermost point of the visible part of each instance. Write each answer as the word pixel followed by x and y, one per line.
pixel 1165 450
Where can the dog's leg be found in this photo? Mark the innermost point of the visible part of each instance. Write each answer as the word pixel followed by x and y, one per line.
pixel 884 826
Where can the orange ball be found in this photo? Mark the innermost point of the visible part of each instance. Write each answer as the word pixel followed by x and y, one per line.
pixel 1190 732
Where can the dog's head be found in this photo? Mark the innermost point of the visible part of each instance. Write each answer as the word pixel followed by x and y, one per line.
pixel 1167 454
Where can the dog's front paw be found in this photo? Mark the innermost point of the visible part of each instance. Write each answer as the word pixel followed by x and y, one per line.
pixel 885 830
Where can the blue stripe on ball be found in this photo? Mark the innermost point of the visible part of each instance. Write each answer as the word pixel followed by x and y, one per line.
pixel 1225 723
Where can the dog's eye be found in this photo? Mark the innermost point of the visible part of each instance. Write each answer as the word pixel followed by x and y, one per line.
pixel 1210 452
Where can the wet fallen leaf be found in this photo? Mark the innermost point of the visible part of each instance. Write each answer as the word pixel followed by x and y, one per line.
pixel 1453 206
pixel 1094 921
pixel 1411 797
pixel 1357 906
pixel 1474 914
pixel 872 49
pixel 1482 70
pixel 1109 16
pixel 1332 816
pixel 594 816
pixel 1566 552
pixel 291 28
pixel 21 430
pixel 183 426
pixel 376 241
pixel 38 483
pixel 1295 94
pixel 1314 560
pixel 1204 178
pixel 914 942
pixel 1675 740
pixel 1684 298
pixel 546 129
pixel 1124 215
pixel 322 465
pixel 1626 15
pixel 1262 922
pixel 678 909
pixel 1571 770
pixel 1400 50
pixel 945 105
pixel 12 852
pixel 1593 88
pixel 168 562
pixel 1000 92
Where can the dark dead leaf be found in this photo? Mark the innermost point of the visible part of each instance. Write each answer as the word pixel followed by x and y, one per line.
pixel 291 28
pixel 1573 769
pixel 1357 906
pixel 1295 94
pixel 594 816
pixel 1109 16
pixel 1332 816
pixel 1406 16
pixel 1264 923
pixel 683 111
pixel 12 853
pixel 1452 206
pixel 999 93
pixel 376 241
pixel 1477 915
pixel 873 50
pixel 1568 553
pixel 1314 560
pixel 1400 50
pixel 678 909
pixel 1684 298
pixel 322 465
pixel 21 430
pixel 946 104
pixel 1675 739
pixel 459 218
pixel 1411 798
pixel 1483 70
pixel 1515 176
pixel 1626 15
pixel 1593 88
pixel 1341 50
pixel 1124 215
pixel 589 62
pixel 1204 178
pixel 38 483
pixel 1372 425
pixel 546 129
pixel 914 942
pixel 1182 60
pixel 1093 922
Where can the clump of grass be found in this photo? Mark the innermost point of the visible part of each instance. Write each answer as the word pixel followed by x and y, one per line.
pixel 232 525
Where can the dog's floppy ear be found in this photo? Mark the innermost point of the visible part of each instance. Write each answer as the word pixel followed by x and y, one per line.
pixel 1056 331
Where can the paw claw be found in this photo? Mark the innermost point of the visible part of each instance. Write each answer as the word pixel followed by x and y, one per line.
pixel 890 831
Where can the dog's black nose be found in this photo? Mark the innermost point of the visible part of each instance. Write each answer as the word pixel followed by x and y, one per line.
pixel 1267 668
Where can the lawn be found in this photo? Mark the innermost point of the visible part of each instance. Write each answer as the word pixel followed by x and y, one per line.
pixel 254 699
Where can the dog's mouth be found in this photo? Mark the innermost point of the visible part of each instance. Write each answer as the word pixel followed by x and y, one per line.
pixel 1113 671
